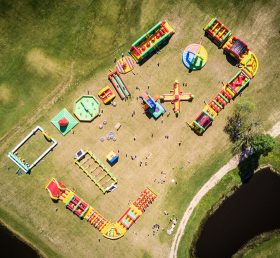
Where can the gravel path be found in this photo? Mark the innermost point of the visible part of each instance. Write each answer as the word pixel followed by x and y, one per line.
pixel 274 132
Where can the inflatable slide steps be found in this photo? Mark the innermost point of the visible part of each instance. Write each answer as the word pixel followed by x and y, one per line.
pixel 119 85
pixel 217 32
pixel 129 217
pixel 66 196
pixel 81 209
pixel 77 206
pixel 219 102
pixel 97 220
pixel 145 199
pixel 238 83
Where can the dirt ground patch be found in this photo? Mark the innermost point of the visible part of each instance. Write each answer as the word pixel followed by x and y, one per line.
pixel 41 63
pixel 5 94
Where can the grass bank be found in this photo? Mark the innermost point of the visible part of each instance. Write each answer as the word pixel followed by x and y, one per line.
pixel 213 200
pixel 264 245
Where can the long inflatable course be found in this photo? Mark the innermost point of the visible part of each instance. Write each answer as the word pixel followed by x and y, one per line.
pixel 247 61
pixel 79 207
pixel 151 42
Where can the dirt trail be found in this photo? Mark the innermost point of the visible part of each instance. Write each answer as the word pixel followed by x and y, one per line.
pixel 274 132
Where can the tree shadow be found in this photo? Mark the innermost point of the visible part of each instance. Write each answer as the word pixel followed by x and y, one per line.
pixel 247 167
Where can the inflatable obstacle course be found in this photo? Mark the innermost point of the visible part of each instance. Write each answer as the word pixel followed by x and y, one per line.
pixel 86 108
pixel 194 57
pixel 247 62
pixel 106 95
pixel 151 106
pixel 121 88
pixel 176 96
pixel 95 170
pixel 110 230
pixel 64 122
pixel 20 161
pixel 151 42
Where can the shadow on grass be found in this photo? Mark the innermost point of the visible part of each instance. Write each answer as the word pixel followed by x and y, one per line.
pixel 247 167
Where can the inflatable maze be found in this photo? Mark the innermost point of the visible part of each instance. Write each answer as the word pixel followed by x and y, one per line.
pixel 247 61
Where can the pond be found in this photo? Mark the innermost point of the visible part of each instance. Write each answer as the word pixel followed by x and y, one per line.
pixel 12 247
pixel 254 208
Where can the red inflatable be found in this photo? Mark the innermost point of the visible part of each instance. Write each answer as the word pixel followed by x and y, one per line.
pixel 63 122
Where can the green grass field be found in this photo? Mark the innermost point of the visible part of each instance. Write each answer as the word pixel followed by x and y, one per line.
pixel 53 52
pixel 265 245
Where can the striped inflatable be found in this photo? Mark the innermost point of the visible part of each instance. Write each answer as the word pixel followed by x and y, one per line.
pixel 125 64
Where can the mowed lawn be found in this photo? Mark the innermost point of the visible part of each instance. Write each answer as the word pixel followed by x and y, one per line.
pixel 68 49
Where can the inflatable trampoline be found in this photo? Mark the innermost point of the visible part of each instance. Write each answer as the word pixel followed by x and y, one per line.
pixel 195 57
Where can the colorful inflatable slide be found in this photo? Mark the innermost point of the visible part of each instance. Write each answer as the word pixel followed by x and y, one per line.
pixel 151 42
pixel 121 88
pixel 246 60
pixel 151 106
pixel 111 230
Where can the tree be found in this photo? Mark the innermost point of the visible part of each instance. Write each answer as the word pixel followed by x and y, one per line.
pixel 262 144
pixel 242 125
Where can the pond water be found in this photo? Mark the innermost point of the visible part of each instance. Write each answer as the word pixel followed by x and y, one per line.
pixel 12 247
pixel 254 208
